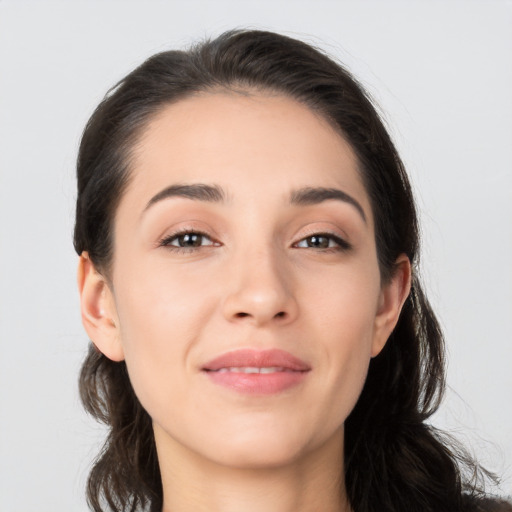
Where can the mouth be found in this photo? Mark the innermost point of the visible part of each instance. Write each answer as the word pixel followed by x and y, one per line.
pixel 252 369
pixel 257 371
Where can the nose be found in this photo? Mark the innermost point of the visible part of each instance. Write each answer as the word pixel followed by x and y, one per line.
pixel 260 291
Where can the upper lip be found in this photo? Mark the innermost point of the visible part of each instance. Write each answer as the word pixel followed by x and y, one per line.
pixel 251 358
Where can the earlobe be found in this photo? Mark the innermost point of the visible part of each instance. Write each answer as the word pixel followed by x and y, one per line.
pixel 99 316
pixel 392 298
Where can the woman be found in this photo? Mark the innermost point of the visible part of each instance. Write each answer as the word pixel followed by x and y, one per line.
pixel 248 276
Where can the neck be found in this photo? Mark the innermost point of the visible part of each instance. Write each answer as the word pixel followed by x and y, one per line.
pixel 310 483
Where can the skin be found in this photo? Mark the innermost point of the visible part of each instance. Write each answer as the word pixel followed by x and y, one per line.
pixel 255 281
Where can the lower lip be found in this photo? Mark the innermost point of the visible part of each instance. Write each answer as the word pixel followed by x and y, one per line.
pixel 258 383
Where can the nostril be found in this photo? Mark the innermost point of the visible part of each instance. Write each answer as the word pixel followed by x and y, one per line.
pixel 280 314
pixel 242 315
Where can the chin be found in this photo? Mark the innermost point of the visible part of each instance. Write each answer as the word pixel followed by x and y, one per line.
pixel 267 446
pixel 260 455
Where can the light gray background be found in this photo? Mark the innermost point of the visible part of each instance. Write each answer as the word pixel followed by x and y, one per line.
pixel 442 73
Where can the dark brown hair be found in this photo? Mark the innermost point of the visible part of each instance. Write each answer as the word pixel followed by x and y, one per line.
pixel 394 460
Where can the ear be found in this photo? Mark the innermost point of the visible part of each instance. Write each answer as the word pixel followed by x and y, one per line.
pixel 392 297
pixel 99 315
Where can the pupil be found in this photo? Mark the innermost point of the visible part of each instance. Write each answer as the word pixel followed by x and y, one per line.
pixel 190 240
pixel 318 241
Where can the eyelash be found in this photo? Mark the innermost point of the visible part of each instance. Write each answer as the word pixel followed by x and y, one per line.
pixel 341 245
pixel 167 241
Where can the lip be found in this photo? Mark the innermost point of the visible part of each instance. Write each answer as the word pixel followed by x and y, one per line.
pixel 282 371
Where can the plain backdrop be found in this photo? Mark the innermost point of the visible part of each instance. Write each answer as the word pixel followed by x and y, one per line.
pixel 442 75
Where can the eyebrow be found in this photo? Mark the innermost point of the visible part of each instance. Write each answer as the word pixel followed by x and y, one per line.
pixel 315 195
pixel 196 191
pixel 215 194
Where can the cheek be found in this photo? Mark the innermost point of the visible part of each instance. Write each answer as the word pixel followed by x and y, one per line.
pixel 161 320
pixel 158 303
pixel 344 314
pixel 344 300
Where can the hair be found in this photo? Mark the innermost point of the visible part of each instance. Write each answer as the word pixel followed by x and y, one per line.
pixel 394 459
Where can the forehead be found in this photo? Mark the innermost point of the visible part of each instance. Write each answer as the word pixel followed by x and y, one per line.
pixel 246 143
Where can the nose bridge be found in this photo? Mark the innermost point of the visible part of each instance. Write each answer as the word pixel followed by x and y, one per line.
pixel 260 286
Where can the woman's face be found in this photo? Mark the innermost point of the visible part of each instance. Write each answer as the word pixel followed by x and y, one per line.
pixel 246 297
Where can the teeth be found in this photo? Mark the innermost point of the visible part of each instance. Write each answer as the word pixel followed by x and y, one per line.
pixel 271 370
pixel 246 370
pixel 251 369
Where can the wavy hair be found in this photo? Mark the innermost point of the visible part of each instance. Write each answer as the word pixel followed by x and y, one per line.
pixel 394 460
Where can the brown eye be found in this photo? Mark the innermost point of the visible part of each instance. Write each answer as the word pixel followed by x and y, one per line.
pixel 323 241
pixel 318 241
pixel 187 240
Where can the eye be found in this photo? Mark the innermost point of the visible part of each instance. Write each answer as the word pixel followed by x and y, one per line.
pixel 187 240
pixel 323 241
